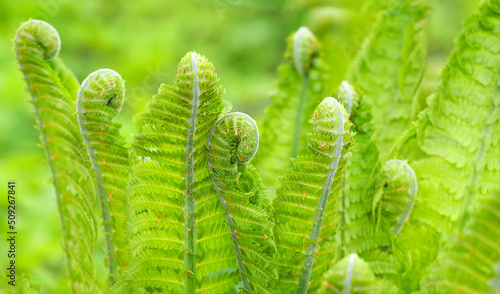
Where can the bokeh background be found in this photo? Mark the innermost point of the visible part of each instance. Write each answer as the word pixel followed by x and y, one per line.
pixel 143 41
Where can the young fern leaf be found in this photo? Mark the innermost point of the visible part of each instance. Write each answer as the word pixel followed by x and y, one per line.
pixel 459 131
pixel 178 236
pixel 400 187
pixel 233 141
pixel 305 207
pixel 36 46
pixel 358 231
pixel 353 275
pixel 390 66
pixel 100 99
pixel 471 265
pixel 300 89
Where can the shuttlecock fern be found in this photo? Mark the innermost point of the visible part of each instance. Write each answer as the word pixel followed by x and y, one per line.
pixel 305 207
pixel 52 89
pixel 233 142
pixel 301 87
pixel 390 66
pixel 178 236
pixel 100 99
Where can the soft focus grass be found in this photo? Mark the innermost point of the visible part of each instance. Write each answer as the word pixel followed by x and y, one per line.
pixel 143 41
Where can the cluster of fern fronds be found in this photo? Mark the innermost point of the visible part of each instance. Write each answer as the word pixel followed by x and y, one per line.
pixel 354 189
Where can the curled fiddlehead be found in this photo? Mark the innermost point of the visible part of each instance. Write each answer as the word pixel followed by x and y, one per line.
pixel 305 207
pixel 232 142
pixel 400 188
pixel 52 89
pixel 100 99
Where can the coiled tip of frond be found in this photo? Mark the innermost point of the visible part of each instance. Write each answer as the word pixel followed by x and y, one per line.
pixel 42 33
pixel 348 96
pixel 396 168
pixel 239 133
pixel 105 86
pixel 302 49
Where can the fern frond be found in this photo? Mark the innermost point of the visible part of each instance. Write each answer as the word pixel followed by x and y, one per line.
pixel 400 187
pixel 460 130
pixel 471 265
pixel 50 85
pixel 100 99
pixel 177 228
pixel 390 66
pixel 305 207
pixel 233 142
pixel 350 275
pixel 300 89
pixel 358 231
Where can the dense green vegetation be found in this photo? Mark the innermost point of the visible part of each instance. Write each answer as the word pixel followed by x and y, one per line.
pixel 377 176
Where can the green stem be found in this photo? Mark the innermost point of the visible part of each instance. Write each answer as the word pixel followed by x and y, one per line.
pixel 190 204
pixel 320 211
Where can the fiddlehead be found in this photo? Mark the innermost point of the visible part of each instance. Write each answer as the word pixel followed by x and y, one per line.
pixel 233 141
pixel 300 89
pixel 100 99
pixel 400 188
pixel 50 85
pixel 305 207
pixel 178 236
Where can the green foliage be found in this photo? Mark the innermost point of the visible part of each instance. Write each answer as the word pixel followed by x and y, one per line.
pixel 49 84
pixel 301 86
pixel 390 66
pixel 233 142
pixel 305 207
pixel 100 99
pixel 471 264
pixel 178 237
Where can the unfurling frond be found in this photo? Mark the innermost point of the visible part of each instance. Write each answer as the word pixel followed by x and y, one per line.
pixel 178 235
pixel 358 229
pixel 233 142
pixel 390 66
pixel 51 87
pixel 400 187
pixel 301 87
pixel 305 207
pixel 472 264
pixel 350 275
pixel 100 99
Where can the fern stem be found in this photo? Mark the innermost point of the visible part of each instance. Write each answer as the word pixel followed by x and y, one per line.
pixel 190 204
pixel 299 118
pixel 106 213
pixel 349 274
pixel 320 211
pixel 45 144
pixel 237 249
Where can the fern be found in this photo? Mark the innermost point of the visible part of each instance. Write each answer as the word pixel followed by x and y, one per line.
pixel 459 131
pixel 300 88
pixel 471 265
pixel 390 66
pixel 353 275
pixel 99 100
pixel 178 237
pixel 305 207
pixel 233 142
pixel 51 86
pixel 358 231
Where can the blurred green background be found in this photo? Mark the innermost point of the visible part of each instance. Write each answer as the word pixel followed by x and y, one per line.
pixel 143 41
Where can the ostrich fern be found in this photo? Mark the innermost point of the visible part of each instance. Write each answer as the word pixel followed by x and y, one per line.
pixel 183 211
